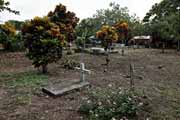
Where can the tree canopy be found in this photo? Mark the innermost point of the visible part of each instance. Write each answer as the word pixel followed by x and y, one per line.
pixel 66 21
pixel 109 16
pixel 43 41
pixel 4 6
pixel 163 21
pixel 45 37
pixel 108 35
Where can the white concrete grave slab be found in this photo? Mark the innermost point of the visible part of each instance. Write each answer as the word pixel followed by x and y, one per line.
pixel 67 86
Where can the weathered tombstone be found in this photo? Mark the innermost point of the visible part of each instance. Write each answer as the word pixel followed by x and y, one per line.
pixel 62 88
pixel 96 50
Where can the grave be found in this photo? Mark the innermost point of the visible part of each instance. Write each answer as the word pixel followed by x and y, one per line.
pixel 65 87
pixel 96 50
pixel 101 51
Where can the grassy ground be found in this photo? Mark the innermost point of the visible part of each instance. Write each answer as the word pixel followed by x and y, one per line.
pixel 157 75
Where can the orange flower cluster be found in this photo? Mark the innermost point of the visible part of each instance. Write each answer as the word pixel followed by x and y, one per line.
pixel 107 33
pixel 66 21
pixel 122 29
pixel 121 26
pixel 42 27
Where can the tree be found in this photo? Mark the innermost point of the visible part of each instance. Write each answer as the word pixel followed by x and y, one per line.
pixel 163 9
pixel 4 6
pixel 43 40
pixel 108 35
pixel 163 19
pixel 66 21
pixel 109 16
pixel 7 31
pixel 122 29
pixel 18 24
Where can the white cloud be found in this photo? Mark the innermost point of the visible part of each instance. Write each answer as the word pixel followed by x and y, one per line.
pixel 83 8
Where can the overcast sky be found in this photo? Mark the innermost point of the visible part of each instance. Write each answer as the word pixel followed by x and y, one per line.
pixel 83 8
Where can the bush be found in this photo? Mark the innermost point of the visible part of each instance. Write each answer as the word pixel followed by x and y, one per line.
pixel 43 41
pixel 69 64
pixel 9 38
pixel 16 43
pixel 111 105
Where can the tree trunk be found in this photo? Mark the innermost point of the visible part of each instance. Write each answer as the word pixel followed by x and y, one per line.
pixel 44 69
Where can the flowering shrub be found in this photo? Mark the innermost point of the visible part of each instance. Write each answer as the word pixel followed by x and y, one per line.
pixel 9 38
pixel 108 35
pixel 122 29
pixel 111 105
pixel 66 21
pixel 43 41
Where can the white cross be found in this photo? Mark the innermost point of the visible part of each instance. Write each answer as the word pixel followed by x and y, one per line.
pixel 82 72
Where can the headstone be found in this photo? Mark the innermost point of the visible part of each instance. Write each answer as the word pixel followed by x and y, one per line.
pixel 62 88
pixel 96 50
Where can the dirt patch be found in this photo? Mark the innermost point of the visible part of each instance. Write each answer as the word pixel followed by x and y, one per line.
pixel 157 75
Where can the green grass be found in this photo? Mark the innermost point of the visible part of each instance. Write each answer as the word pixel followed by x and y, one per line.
pixel 22 86
pixel 27 79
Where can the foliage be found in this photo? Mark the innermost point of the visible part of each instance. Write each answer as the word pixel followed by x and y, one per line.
pixel 17 24
pixel 109 104
pixel 108 35
pixel 69 63
pixel 8 29
pixel 10 38
pixel 163 21
pixel 4 6
pixel 81 40
pixel 109 16
pixel 66 21
pixel 16 43
pixel 122 29
pixel 43 41
pixel 164 9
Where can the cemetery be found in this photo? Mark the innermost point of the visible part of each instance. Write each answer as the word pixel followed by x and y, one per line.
pixel 111 66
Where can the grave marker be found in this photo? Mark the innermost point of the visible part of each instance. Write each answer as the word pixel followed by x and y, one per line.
pixel 58 90
pixel 83 72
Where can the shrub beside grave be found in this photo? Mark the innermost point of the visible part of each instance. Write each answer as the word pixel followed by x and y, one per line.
pixel 43 41
pixel 105 104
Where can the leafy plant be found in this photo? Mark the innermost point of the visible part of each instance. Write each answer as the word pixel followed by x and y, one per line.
pixel 122 29
pixel 11 40
pixel 69 63
pixel 108 35
pixel 105 104
pixel 65 20
pixel 43 41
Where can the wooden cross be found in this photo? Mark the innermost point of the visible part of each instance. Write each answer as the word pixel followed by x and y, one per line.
pixel 83 72
pixel 131 77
